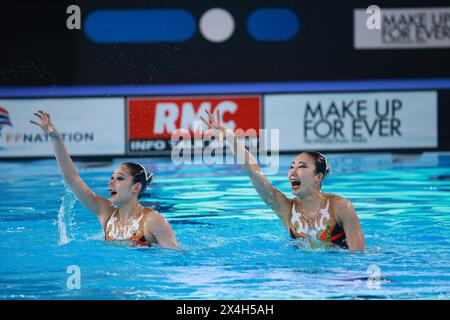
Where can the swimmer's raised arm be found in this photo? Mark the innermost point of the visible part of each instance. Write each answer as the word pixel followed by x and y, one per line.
pixel 86 196
pixel 275 199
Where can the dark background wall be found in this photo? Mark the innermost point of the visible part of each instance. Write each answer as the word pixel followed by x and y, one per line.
pixel 38 49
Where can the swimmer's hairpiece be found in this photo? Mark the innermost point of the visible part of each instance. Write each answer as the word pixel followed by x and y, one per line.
pixel 148 175
pixel 140 175
pixel 328 169
pixel 322 164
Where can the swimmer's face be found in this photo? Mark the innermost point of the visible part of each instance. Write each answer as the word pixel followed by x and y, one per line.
pixel 302 175
pixel 121 187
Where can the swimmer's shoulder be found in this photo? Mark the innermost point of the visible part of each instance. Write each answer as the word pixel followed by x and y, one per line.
pixel 151 216
pixel 340 206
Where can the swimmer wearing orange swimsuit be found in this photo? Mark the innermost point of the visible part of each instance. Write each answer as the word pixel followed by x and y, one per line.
pixel 323 227
pixel 134 231
pixel 127 184
pixel 306 174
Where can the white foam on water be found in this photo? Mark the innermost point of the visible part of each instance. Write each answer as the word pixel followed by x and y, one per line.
pixel 66 219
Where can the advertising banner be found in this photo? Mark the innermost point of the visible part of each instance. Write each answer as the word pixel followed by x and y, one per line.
pixel 353 121
pixel 89 126
pixel 152 121
pixel 402 28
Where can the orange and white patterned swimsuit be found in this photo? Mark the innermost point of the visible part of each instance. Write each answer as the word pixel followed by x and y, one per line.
pixel 318 228
pixel 133 232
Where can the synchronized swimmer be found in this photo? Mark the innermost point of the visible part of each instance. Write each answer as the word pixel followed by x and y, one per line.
pixel 322 219
pixel 122 217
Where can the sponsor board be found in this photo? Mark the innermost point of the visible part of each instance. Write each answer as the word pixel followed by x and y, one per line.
pixel 353 121
pixel 152 122
pixel 89 126
pixel 403 28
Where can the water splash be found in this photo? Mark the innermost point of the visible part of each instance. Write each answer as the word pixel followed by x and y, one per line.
pixel 66 217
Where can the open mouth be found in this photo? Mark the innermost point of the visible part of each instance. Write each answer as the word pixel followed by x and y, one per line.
pixel 112 193
pixel 295 184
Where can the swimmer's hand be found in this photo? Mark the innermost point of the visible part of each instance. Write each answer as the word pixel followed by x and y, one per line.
pixel 45 124
pixel 213 123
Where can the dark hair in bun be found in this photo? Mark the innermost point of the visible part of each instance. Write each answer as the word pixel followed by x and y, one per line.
pixel 140 175
pixel 322 165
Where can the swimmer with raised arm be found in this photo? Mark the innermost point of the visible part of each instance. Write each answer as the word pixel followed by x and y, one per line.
pixel 122 217
pixel 322 219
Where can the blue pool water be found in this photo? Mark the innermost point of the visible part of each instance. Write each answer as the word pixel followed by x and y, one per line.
pixel 233 246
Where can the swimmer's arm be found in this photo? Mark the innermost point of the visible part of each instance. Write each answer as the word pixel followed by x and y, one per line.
pixel 71 176
pixel 275 199
pixel 157 226
pixel 346 216
pixel 81 191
